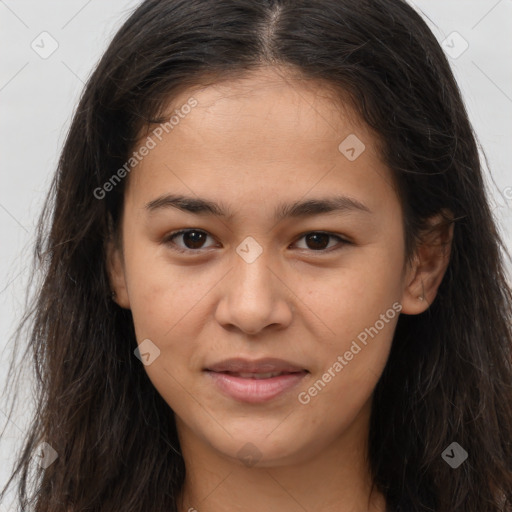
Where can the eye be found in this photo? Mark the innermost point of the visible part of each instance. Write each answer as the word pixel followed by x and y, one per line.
pixel 319 240
pixel 193 239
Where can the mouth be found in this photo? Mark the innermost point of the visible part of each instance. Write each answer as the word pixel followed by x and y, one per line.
pixel 249 375
pixel 255 381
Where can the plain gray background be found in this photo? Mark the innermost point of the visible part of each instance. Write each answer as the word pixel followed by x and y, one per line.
pixel 37 97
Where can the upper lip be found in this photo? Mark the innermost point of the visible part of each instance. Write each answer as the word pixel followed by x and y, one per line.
pixel 265 365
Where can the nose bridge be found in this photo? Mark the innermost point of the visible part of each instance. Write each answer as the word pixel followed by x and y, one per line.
pixel 253 278
pixel 253 297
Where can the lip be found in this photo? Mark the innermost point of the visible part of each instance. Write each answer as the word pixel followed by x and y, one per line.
pixel 226 378
pixel 265 365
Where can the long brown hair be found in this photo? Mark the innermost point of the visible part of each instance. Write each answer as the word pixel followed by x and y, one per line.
pixel 449 375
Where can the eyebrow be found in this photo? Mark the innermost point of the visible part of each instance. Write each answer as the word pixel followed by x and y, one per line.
pixel 307 208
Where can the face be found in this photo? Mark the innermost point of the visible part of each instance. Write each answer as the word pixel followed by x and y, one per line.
pixel 263 258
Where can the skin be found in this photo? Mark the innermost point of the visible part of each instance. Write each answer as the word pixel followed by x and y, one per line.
pixel 251 144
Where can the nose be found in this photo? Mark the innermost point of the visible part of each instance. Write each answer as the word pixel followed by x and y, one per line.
pixel 254 296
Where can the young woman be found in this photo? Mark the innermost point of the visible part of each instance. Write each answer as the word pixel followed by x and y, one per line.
pixel 272 280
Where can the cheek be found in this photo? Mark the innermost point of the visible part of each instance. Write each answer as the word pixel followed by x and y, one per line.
pixel 160 293
pixel 167 303
pixel 360 305
pixel 165 308
pixel 351 367
pixel 349 298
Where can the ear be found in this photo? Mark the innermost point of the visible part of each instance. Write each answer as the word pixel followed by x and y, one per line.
pixel 116 272
pixel 430 262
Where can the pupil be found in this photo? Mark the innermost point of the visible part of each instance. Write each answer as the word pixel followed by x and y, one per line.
pixel 193 239
pixel 318 238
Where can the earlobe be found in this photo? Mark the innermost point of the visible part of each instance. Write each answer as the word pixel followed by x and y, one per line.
pixel 431 260
pixel 116 274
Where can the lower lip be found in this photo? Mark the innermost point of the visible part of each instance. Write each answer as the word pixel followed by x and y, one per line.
pixel 255 390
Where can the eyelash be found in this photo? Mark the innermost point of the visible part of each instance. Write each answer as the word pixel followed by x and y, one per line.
pixel 168 240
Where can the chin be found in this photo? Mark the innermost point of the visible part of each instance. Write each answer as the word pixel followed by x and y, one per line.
pixel 264 449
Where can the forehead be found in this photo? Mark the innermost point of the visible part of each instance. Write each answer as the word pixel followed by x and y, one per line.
pixel 265 130
pixel 262 103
